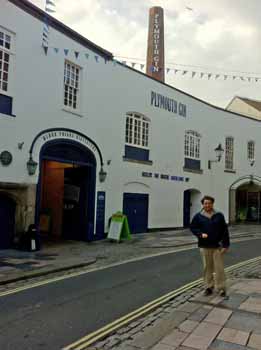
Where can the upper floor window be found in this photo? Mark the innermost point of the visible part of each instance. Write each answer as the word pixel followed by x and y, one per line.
pixel 137 130
pixel 229 153
pixel 5 52
pixel 192 145
pixel 251 150
pixel 71 85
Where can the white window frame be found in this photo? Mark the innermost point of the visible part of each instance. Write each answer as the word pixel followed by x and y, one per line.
pixel 229 153
pixel 251 150
pixel 6 67
pixel 192 144
pixel 137 129
pixel 72 82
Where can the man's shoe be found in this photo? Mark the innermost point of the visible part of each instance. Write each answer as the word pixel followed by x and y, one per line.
pixel 208 291
pixel 223 293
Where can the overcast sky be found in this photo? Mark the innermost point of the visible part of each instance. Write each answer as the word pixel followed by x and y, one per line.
pixel 222 37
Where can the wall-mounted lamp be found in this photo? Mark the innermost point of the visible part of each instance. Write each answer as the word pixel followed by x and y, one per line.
pixel 102 175
pixel 31 166
pixel 219 152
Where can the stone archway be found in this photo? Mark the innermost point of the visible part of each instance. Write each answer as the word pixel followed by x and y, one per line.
pixel 245 199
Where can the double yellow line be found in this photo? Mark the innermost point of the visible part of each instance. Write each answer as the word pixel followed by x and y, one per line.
pixel 101 333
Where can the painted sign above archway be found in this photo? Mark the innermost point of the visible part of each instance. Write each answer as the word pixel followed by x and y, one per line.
pixel 63 133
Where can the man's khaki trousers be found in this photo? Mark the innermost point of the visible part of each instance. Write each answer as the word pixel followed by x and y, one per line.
pixel 213 261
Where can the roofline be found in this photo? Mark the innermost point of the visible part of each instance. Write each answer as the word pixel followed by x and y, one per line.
pixel 36 12
pixel 186 94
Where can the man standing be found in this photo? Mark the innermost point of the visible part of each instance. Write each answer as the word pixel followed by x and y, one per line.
pixel 211 230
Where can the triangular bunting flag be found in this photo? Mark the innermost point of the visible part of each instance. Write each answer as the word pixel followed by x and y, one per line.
pixel 234 77
pixel 66 51
pixel 133 64
pixel 256 79
pixel 96 58
pixel 168 69
pixel 142 66
pixel 176 71
pixel 201 75
pixel 217 76
pixel 124 62
pixel 56 49
pixel 242 78
pixel 76 53
pixel 209 75
pixel 45 35
pixel 49 2
pixel 45 49
pixel 184 72
pixel 225 77
pixel 48 10
pixel 193 74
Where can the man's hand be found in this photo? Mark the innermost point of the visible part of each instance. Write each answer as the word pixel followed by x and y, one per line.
pixel 223 250
pixel 204 235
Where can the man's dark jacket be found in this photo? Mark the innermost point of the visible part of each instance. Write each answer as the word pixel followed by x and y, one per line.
pixel 215 227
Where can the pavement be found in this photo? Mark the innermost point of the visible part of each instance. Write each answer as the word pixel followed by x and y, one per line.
pixel 57 257
pixel 192 321
pixel 187 321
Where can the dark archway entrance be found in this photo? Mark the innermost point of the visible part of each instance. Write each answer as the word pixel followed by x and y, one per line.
pixel 245 200
pixel 66 191
pixel 7 220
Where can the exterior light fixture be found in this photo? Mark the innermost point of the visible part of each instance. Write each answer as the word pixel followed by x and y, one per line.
pixel 251 162
pixel 31 166
pixel 219 152
pixel 102 175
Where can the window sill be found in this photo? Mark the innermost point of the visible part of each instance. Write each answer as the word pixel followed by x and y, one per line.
pixel 195 171
pixel 146 162
pixel 7 115
pixel 230 171
pixel 71 111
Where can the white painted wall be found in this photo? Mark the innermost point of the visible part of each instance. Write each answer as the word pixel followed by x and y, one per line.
pixel 108 91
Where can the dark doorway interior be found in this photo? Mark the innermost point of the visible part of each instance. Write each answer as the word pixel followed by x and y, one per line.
pixel 75 204
pixel 186 208
pixel 7 220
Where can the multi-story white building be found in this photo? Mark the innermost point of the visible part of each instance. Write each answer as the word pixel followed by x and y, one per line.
pixel 70 115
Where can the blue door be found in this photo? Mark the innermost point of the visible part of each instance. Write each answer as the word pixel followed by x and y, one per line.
pixel 7 220
pixel 135 206
pixel 186 208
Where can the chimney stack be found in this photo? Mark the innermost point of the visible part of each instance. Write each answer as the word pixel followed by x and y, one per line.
pixel 155 51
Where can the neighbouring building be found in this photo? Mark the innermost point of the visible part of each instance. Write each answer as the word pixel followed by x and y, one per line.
pixel 83 136
pixel 245 106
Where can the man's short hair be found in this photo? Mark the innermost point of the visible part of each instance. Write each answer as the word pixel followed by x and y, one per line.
pixel 208 198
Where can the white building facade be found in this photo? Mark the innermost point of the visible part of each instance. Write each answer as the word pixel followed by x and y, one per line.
pixel 83 136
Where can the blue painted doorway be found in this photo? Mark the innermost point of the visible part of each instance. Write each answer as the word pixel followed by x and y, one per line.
pixel 7 220
pixel 135 206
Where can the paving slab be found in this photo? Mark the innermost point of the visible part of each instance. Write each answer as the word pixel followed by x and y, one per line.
pixel 233 336
pixel 202 336
pixel 222 345
pixel 255 341
pixel 245 321
pixel 218 316
pixel 175 338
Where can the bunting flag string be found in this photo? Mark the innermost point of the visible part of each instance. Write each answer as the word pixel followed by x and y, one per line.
pixel 49 9
pixel 207 75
